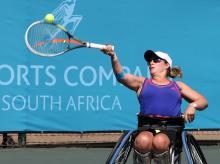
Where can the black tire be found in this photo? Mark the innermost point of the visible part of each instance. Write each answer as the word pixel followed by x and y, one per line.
pixel 195 150
pixel 123 152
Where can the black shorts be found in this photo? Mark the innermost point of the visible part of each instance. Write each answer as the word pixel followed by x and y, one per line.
pixel 164 125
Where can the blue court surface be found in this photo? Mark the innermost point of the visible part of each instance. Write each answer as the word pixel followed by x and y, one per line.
pixel 64 155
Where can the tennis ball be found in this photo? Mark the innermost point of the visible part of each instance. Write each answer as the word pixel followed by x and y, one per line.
pixel 49 18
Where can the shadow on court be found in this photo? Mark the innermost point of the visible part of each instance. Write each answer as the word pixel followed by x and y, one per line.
pixel 78 155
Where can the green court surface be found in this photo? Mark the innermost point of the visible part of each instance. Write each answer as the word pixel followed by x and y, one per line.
pixel 64 155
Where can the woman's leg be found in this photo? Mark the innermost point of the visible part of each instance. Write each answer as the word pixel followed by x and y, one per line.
pixel 160 147
pixel 142 148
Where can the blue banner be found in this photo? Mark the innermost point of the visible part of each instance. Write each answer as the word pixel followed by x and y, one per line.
pixel 77 91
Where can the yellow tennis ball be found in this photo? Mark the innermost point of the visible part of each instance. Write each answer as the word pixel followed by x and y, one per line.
pixel 49 18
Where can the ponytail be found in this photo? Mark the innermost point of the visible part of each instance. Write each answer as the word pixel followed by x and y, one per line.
pixel 175 72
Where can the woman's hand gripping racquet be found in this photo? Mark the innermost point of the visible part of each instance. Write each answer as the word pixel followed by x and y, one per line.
pixel 48 39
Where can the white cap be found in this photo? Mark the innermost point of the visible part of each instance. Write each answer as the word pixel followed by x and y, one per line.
pixel 160 54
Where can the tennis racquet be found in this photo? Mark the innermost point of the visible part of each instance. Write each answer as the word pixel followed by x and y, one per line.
pixel 50 39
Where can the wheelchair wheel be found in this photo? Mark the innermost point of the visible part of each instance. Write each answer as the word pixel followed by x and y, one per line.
pixel 122 149
pixel 195 150
pixel 125 151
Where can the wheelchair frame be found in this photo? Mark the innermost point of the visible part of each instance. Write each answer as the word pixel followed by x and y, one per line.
pixel 123 147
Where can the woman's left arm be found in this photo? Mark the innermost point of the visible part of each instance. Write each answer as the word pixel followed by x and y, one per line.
pixel 196 101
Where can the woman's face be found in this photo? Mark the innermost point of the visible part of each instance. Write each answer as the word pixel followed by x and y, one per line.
pixel 157 65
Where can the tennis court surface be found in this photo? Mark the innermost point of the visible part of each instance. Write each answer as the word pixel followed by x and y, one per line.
pixel 85 148
pixel 70 155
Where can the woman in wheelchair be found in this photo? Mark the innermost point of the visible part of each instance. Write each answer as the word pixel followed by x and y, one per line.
pixel 159 97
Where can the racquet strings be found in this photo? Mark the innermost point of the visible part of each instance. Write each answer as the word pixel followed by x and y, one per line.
pixel 48 39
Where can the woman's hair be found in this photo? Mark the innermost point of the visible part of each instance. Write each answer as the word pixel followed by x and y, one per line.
pixel 175 72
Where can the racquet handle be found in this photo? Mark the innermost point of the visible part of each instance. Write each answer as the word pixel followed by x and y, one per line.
pixel 99 46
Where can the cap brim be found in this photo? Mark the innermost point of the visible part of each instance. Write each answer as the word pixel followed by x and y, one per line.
pixel 148 54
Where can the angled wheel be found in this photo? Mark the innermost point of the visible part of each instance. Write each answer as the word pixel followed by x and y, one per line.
pixel 122 149
pixel 195 150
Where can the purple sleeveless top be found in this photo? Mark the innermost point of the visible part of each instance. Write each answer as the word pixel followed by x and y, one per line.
pixel 162 100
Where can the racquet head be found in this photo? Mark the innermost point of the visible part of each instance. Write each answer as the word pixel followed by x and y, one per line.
pixel 48 39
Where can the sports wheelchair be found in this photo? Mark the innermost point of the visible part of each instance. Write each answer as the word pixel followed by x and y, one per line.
pixel 180 138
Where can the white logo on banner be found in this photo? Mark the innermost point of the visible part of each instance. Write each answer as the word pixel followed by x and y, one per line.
pixel 35 76
pixel 64 15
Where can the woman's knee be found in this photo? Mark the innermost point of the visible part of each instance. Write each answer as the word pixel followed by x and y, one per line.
pixel 143 142
pixel 161 143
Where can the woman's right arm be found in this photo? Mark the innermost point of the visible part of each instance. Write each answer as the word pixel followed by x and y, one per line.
pixel 131 81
